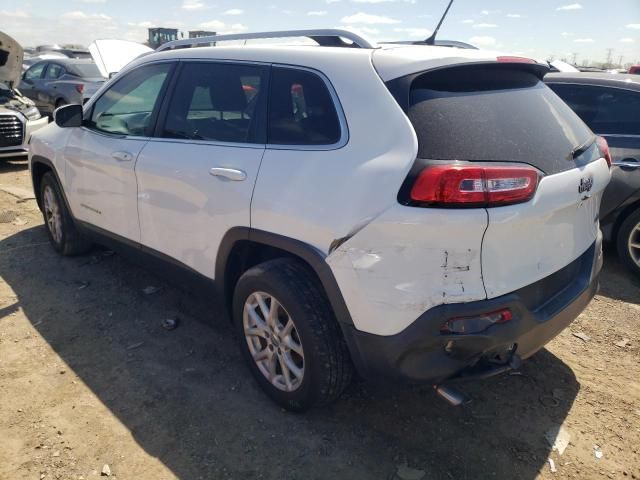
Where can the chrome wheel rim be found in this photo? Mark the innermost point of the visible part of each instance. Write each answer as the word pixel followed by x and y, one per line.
pixel 633 244
pixel 52 214
pixel 273 340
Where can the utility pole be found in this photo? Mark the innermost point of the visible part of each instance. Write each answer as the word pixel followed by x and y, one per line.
pixel 574 58
pixel 609 57
pixel 620 60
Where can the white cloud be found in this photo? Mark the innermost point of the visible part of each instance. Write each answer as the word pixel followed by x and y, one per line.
pixel 572 6
pixel 317 13
pixel 14 14
pixel 146 24
pixel 566 34
pixel 481 41
pixel 362 30
pixel 213 25
pixel 78 15
pixel 222 28
pixel 635 26
pixel 627 40
pixel 468 20
pixel 583 40
pixel 332 1
pixel 368 19
pixel 234 11
pixel 485 25
pixel 414 32
pixel 514 15
pixel 193 5
pixel 485 12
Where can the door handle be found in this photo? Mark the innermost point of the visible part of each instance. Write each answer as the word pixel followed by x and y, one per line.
pixel 228 173
pixel 122 156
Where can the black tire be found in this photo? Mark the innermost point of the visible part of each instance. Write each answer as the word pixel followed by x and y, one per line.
pixel 69 241
pixel 627 232
pixel 327 365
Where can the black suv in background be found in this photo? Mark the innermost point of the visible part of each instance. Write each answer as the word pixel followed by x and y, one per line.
pixel 610 105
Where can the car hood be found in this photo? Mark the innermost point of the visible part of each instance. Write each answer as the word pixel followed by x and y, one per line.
pixel 111 55
pixel 11 55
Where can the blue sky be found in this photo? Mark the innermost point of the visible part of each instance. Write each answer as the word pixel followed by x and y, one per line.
pixel 540 28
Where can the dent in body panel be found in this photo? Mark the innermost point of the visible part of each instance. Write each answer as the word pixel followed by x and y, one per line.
pixel 395 269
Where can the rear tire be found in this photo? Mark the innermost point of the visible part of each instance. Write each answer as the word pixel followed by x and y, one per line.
pixel 301 359
pixel 628 242
pixel 62 232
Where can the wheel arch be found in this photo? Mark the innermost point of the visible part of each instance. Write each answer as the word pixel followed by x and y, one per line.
pixel 39 166
pixel 622 216
pixel 242 248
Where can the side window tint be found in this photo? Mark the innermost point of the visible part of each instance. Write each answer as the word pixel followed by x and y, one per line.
pixel 218 102
pixel 35 72
pixel 605 110
pixel 127 107
pixel 54 71
pixel 301 110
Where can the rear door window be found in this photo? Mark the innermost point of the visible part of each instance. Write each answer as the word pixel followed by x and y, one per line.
pixel 301 109
pixel 217 102
pixel 494 113
pixel 54 71
pixel 606 110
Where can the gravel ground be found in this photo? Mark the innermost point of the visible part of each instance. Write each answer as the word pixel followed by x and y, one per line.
pixel 89 377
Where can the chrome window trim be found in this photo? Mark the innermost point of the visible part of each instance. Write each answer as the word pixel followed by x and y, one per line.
pixel 342 119
pixel 616 87
pixel 619 135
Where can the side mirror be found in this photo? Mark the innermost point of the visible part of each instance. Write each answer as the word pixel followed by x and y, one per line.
pixel 68 116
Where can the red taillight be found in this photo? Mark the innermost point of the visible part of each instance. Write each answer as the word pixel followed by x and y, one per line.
pixel 468 185
pixel 604 150
pixel 80 87
pixel 516 60
pixel 476 324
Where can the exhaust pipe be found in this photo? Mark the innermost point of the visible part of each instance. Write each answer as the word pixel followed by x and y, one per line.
pixel 452 395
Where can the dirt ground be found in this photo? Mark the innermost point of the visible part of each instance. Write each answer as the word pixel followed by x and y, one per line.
pixel 89 377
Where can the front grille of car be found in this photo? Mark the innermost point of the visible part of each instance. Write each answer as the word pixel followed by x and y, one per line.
pixel 11 131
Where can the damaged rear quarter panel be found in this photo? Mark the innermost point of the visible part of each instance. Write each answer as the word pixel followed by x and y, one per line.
pixel 407 261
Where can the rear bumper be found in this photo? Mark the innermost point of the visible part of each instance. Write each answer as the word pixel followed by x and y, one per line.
pixel 540 312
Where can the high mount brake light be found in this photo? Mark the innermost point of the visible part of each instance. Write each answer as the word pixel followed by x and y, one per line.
pixel 515 60
pixel 604 150
pixel 474 186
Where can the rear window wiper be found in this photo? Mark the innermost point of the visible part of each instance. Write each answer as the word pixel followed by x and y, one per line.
pixel 580 149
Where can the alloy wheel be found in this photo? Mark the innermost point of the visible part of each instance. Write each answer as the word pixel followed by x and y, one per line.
pixel 273 340
pixel 52 214
pixel 633 244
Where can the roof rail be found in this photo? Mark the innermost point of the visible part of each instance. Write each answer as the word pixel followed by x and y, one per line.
pixel 329 37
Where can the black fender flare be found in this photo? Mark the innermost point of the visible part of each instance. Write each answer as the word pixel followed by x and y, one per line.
pixel 313 257
pixel 38 159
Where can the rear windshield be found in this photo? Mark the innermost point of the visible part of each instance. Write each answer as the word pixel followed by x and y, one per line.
pixel 490 113
pixel 85 70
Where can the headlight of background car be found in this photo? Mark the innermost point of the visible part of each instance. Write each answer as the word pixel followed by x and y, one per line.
pixel 32 113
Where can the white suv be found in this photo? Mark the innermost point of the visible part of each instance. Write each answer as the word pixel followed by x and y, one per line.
pixel 424 213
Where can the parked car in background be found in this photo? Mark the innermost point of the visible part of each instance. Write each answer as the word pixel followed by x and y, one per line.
pixel 454 240
pixel 56 82
pixel 19 117
pixel 610 105
pixel 634 70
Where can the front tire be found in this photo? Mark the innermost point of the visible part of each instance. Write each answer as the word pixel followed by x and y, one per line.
pixel 63 234
pixel 289 335
pixel 628 242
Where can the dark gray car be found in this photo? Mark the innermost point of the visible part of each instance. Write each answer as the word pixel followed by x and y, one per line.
pixel 610 105
pixel 56 82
